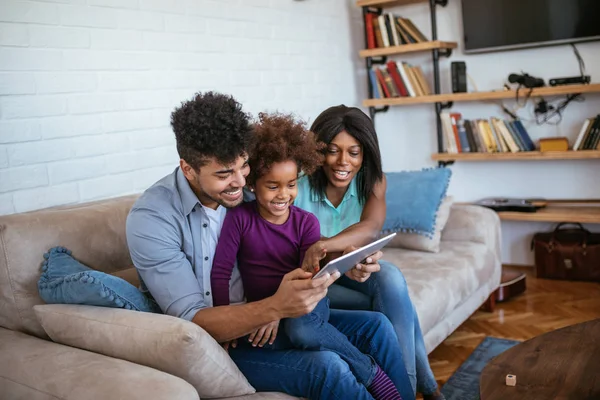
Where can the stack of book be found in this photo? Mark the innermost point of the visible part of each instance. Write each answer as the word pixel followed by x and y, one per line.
pixel 387 30
pixel 484 136
pixel 589 135
pixel 398 79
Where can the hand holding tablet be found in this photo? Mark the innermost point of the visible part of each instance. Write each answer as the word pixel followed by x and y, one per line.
pixel 346 262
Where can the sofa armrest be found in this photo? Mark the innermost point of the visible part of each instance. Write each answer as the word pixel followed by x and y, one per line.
pixel 470 223
pixel 33 368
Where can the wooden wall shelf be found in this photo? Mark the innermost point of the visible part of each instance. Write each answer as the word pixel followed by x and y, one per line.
pixel 585 214
pixel 522 155
pixel 407 48
pixel 387 3
pixel 480 96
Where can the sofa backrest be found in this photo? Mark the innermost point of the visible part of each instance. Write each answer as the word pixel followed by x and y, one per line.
pixel 95 232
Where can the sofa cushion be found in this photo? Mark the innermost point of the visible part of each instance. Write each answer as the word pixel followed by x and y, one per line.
pixel 413 198
pixel 439 282
pixel 166 343
pixel 415 241
pixel 36 369
pixel 94 231
pixel 65 280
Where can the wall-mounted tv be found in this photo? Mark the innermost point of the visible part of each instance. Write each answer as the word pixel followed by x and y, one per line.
pixel 496 25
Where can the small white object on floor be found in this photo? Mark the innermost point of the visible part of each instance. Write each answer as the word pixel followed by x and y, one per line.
pixel 511 380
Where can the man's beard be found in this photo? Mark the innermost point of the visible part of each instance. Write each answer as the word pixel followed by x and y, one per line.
pixel 221 201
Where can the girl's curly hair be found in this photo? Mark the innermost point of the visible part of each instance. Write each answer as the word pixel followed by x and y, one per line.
pixel 279 137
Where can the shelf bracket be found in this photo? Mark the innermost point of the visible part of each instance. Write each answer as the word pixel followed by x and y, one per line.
pixel 373 111
pixel 445 163
pixel 445 52
pixel 444 106
pixel 376 60
pixel 442 3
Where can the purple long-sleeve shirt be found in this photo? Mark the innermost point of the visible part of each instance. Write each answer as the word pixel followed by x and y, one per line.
pixel 265 252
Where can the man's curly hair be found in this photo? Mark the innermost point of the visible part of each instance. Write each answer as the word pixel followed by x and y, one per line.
pixel 211 125
pixel 278 138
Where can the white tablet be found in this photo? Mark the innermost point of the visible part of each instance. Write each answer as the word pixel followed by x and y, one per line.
pixel 346 262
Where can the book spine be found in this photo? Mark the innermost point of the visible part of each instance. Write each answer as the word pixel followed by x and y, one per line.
pixel 371 44
pixel 373 78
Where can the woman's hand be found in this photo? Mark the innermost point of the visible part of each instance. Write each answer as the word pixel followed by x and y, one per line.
pixel 267 333
pixel 313 257
pixel 362 272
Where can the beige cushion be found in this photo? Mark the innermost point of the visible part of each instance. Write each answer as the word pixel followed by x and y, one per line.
pixel 414 241
pixel 94 231
pixel 169 344
pixel 440 282
pixel 37 369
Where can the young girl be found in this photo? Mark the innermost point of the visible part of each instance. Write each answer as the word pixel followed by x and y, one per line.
pixel 269 238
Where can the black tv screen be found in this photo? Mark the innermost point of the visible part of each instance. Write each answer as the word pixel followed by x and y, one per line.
pixel 495 25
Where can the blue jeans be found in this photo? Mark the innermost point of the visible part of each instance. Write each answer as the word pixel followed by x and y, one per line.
pixel 386 291
pixel 314 332
pixel 324 374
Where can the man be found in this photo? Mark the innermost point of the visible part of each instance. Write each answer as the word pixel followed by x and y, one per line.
pixel 172 233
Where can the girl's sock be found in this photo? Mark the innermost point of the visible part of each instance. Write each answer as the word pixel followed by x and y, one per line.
pixel 382 387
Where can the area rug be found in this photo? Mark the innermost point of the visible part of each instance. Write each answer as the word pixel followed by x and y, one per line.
pixel 464 383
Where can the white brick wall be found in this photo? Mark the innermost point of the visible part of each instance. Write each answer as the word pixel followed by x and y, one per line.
pixel 87 86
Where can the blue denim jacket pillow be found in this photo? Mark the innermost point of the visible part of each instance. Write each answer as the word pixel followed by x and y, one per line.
pixel 65 280
pixel 413 199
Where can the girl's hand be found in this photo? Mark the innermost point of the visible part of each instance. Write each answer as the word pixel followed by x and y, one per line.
pixel 313 257
pixel 230 343
pixel 362 272
pixel 267 333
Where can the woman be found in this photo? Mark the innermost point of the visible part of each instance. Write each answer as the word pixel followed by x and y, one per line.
pixel 347 194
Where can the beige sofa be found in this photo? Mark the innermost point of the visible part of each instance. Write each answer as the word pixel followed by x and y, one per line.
pixel 446 287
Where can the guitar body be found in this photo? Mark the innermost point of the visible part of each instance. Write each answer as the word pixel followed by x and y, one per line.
pixel 512 284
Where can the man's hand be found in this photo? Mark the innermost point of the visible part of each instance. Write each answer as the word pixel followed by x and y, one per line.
pixel 298 294
pixel 362 272
pixel 313 257
pixel 265 334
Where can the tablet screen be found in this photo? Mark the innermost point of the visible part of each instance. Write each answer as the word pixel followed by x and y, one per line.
pixel 346 262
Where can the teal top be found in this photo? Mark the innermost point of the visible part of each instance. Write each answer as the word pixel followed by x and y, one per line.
pixel 333 220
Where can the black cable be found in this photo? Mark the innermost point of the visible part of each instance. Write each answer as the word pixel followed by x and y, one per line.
pixel 527 96
pixel 558 110
pixel 580 60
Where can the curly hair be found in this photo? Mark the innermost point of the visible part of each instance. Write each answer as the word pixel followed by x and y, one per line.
pixel 278 138
pixel 211 125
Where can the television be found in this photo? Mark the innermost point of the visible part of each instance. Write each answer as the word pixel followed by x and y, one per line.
pixel 497 25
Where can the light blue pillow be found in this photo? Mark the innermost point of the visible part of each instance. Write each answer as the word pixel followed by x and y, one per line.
pixel 65 280
pixel 413 199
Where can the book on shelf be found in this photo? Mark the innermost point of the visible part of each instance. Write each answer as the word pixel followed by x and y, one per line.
pixel 398 79
pixel 589 135
pixel 389 30
pixel 483 136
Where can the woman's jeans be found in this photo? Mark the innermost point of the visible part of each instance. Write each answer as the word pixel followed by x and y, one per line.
pixel 324 374
pixel 386 291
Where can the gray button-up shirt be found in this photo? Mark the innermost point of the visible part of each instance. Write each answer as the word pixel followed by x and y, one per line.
pixel 172 239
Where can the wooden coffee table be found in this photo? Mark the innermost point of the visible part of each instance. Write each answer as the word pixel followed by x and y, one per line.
pixel 562 364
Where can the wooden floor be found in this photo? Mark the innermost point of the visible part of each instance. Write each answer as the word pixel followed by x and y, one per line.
pixel 545 306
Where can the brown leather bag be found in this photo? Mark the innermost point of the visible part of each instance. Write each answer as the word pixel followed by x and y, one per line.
pixel 567 253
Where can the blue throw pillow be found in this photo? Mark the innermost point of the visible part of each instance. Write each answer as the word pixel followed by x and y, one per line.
pixel 65 280
pixel 413 198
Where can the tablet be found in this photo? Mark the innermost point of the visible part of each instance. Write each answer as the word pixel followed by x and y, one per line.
pixel 346 262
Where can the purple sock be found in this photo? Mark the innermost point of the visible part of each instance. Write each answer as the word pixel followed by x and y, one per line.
pixel 382 387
